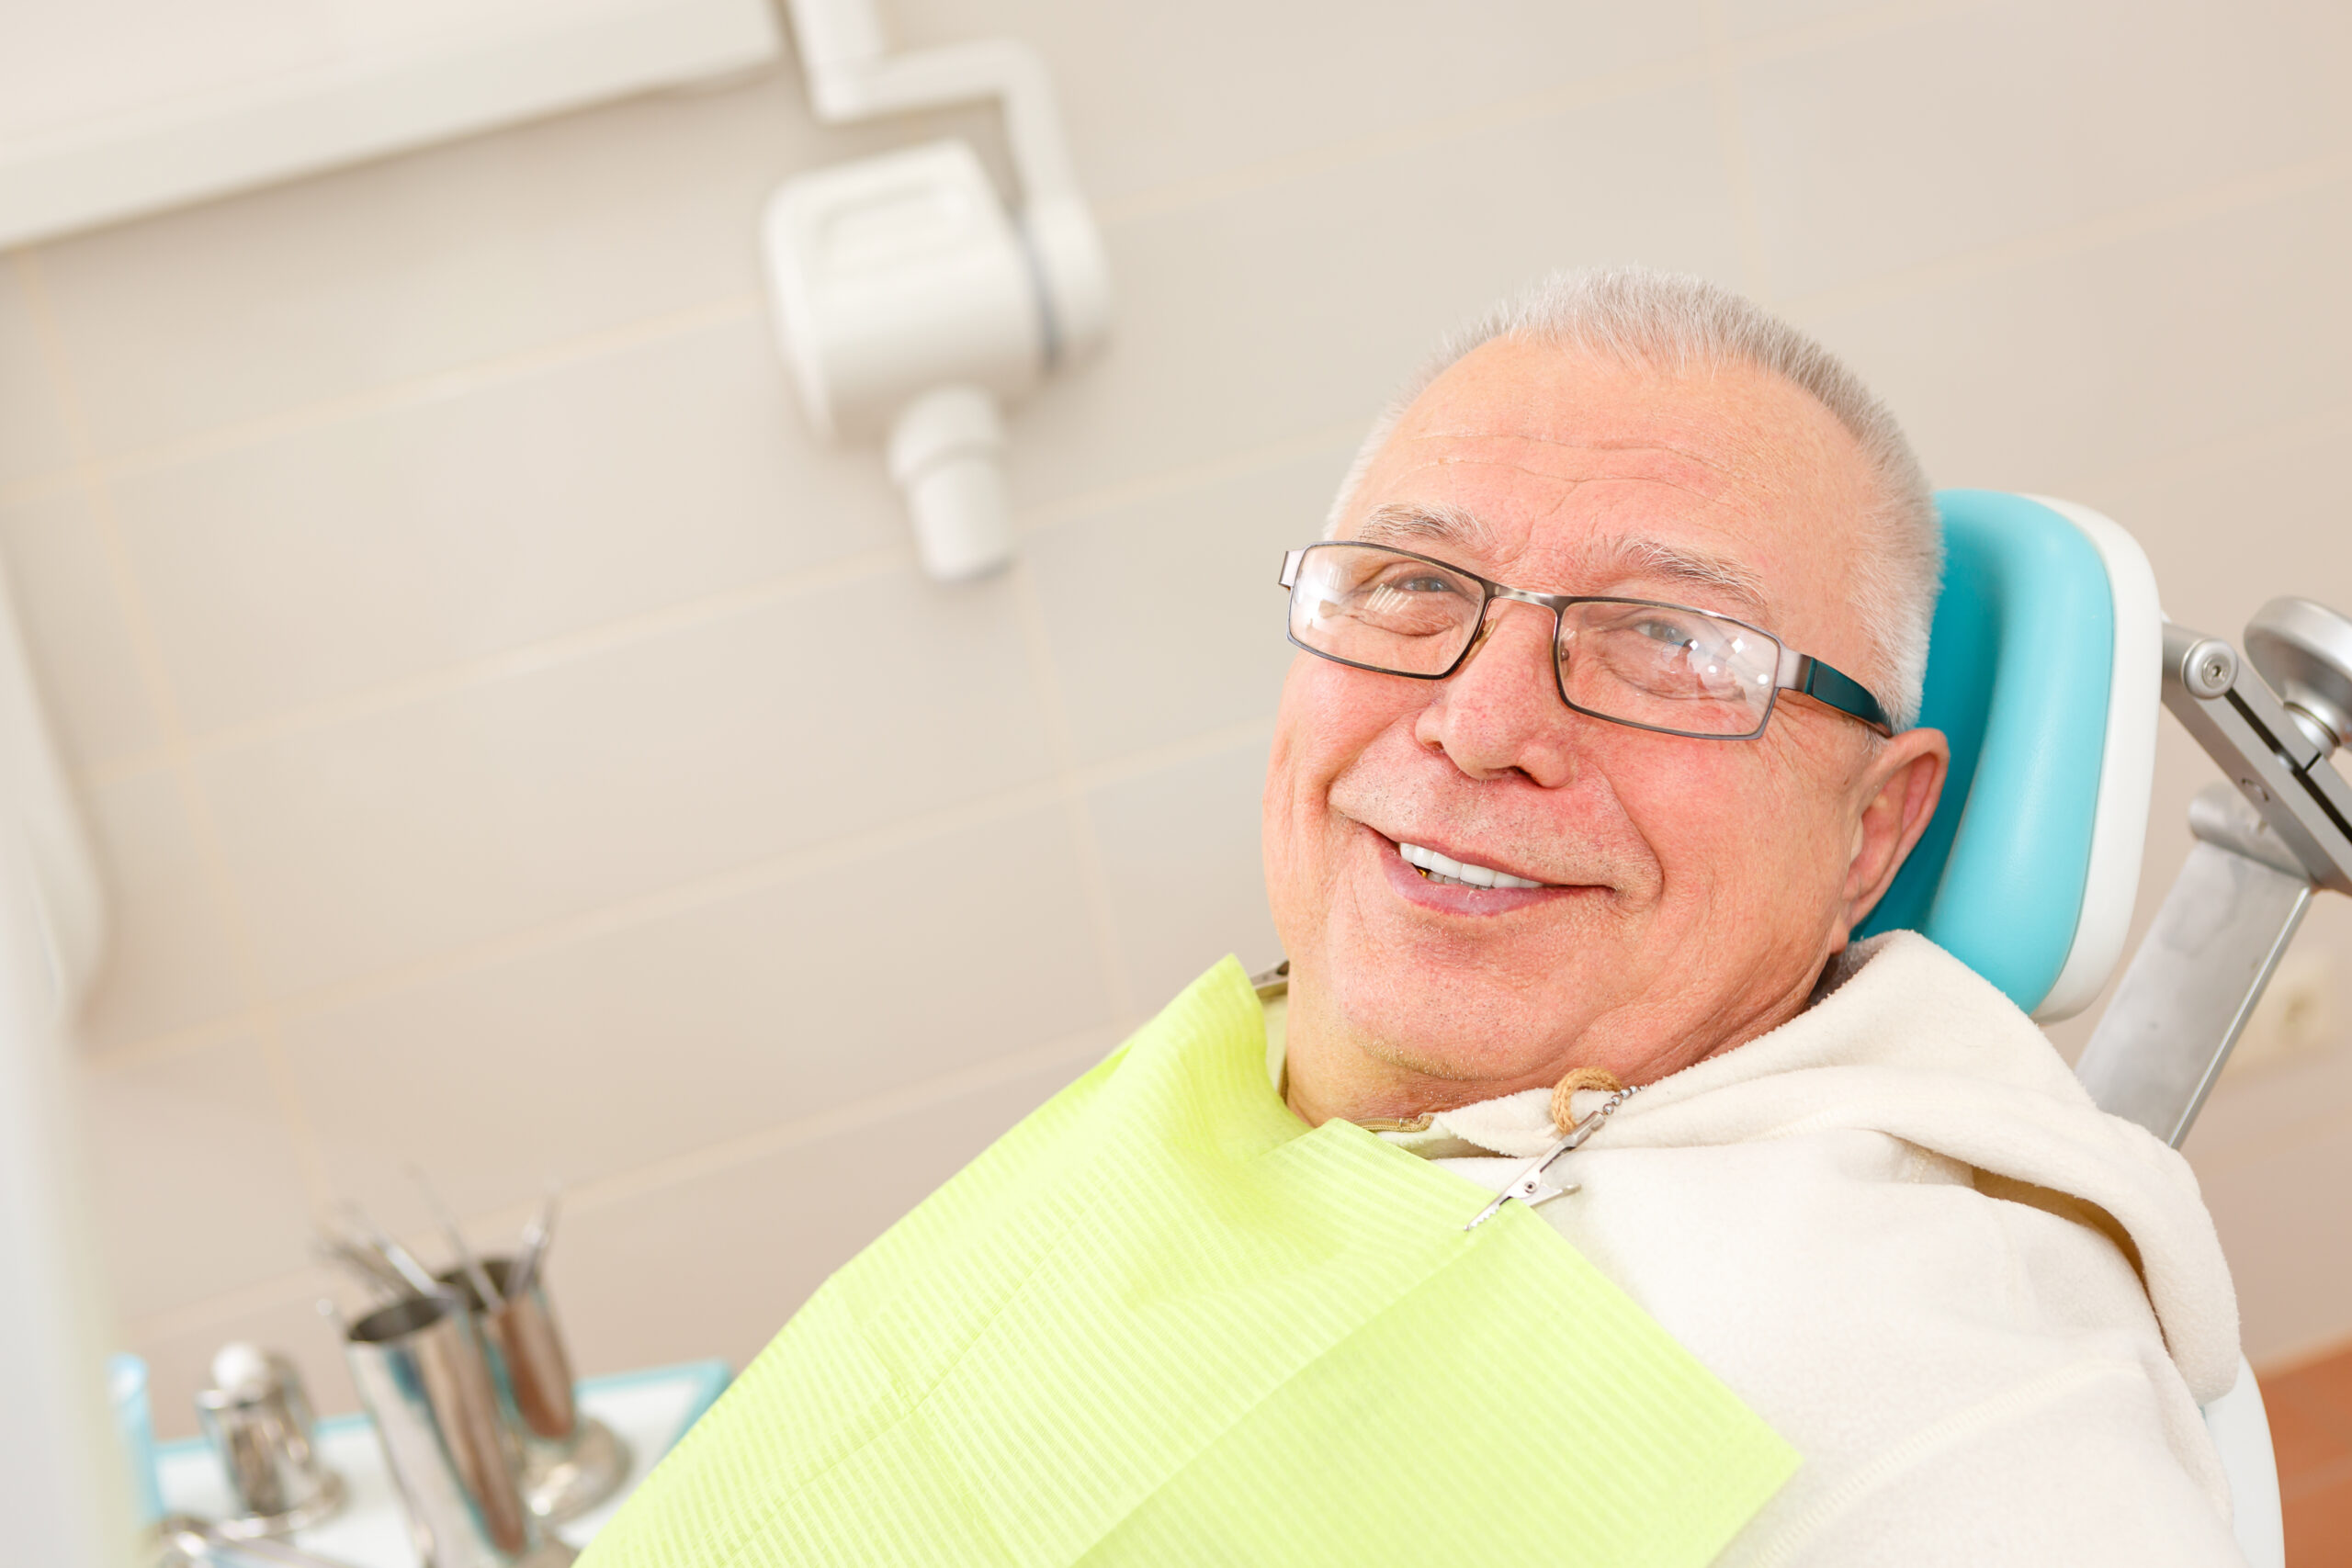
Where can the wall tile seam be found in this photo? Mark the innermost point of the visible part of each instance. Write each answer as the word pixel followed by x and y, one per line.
pixel 146 650
pixel 224 894
pixel 1094 507
pixel 447 384
pixel 1198 191
pixel 153 681
pixel 464 380
pixel 536 656
pixel 1084 508
pixel 1685 69
pixel 260 1016
pixel 249 1021
pixel 713 1158
pixel 2176 211
pixel 1091 508
pixel 588 1197
pixel 89 481
pixel 238 1026
pixel 1098 504
pixel 1061 747
pixel 537 939
pixel 50 485
pixel 2179 211
pixel 1865 21
pixel 466 375
pixel 199 1314
pixel 301 1006
pixel 1071 1048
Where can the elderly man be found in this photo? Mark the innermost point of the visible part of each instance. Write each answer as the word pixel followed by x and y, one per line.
pixel 1772 1248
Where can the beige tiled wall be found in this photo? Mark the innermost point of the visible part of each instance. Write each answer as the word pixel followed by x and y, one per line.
pixel 517 745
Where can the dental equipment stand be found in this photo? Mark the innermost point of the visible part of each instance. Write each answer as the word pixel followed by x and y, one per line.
pixel 2263 848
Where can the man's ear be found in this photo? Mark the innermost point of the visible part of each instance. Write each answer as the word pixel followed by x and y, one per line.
pixel 1899 791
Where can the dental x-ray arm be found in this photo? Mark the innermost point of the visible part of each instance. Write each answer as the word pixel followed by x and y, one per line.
pixel 852 76
pixel 909 303
pixel 2263 848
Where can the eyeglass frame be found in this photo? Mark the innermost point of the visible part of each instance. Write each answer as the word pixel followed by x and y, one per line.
pixel 1799 672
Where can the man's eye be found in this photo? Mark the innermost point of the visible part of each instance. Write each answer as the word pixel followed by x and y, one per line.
pixel 1673 633
pixel 1421 588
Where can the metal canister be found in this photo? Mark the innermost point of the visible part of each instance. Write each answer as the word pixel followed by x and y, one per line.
pixel 259 1422
pixel 423 1376
pixel 572 1462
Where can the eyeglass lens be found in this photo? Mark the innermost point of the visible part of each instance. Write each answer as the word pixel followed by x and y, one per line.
pixel 1661 666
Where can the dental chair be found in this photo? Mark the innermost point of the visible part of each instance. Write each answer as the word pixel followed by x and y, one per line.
pixel 2049 660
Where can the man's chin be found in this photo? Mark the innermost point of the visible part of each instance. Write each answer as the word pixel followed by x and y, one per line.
pixel 1453 1025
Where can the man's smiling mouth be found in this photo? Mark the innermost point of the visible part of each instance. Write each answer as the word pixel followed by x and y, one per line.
pixel 1450 872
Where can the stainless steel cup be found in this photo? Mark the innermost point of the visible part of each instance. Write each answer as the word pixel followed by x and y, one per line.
pixel 572 1462
pixel 423 1378
pixel 261 1426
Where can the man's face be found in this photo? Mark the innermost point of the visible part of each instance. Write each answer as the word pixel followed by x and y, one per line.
pixel 1693 888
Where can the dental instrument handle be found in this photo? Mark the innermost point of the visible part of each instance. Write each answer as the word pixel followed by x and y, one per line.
pixel 370 1270
pixel 475 1275
pixel 535 1237
pixel 360 1242
pixel 420 1278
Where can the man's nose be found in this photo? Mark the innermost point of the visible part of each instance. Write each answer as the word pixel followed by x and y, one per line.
pixel 1500 712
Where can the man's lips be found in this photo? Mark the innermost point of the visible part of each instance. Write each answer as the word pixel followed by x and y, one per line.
pixel 1453 895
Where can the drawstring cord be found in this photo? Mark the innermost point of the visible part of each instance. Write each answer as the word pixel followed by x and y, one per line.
pixel 1579 1079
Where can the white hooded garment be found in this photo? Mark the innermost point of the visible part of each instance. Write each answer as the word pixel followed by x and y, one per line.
pixel 1984 1311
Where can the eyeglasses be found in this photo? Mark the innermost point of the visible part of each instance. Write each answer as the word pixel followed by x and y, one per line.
pixel 1662 667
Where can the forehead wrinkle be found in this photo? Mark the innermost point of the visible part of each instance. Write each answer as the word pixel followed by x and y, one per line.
pixel 1749 464
pixel 1730 479
pixel 1451 523
pixel 1447 522
pixel 1571 487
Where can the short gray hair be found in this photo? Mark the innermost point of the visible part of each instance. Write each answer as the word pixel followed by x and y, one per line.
pixel 1677 324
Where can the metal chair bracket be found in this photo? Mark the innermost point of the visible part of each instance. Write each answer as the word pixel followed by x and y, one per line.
pixel 2279 831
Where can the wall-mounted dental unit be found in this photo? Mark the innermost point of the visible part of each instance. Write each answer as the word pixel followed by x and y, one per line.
pixel 909 304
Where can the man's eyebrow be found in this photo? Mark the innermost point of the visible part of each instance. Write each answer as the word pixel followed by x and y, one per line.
pixel 1425 525
pixel 1678 563
pixel 1408 524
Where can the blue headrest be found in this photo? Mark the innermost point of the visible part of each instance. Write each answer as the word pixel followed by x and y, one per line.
pixel 2043 670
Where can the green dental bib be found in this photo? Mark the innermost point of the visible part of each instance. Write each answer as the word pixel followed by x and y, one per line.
pixel 1161 1322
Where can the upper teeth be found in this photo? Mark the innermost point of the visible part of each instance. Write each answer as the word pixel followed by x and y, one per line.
pixel 1441 868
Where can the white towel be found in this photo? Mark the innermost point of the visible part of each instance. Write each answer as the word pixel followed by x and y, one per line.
pixel 1983 1310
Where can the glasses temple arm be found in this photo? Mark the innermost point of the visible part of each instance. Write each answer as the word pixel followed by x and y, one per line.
pixel 1827 684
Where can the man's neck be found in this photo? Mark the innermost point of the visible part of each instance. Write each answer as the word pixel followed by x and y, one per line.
pixel 1331 1071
